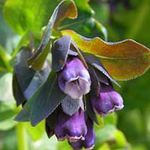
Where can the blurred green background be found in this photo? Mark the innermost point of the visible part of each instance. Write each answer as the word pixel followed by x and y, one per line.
pixel 113 20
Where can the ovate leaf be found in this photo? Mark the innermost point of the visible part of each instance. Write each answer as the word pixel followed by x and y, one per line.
pixel 43 102
pixel 66 9
pixel 123 60
pixel 22 75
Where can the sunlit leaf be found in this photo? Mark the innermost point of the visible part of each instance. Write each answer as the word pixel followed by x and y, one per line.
pixel 7 113
pixel 84 6
pixel 28 14
pixel 4 60
pixel 37 132
pixel 7 124
pixel 105 134
pixel 6 88
pixel 120 139
pixel 66 9
pixel 123 60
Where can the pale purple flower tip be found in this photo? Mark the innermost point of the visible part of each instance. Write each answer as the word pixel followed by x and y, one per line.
pixel 88 142
pixel 108 100
pixel 74 79
pixel 72 127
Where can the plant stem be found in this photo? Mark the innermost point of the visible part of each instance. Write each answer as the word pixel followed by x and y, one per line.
pixel 21 137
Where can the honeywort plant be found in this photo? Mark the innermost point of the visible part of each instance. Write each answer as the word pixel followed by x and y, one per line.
pixel 70 91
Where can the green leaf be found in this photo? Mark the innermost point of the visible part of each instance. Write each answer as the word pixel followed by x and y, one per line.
pixel 105 146
pixel 43 102
pixel 123 60
pixel 94 61
pixel 25 80
pixel 120 139
pixel 22 76
pixel 66 9
pixel 105 134
pixel 7 113
pixel 37 132
pixel 28 14
pixel 7 124
pixel 84 6
pixel 60 51
pixel 17 91
pixel 6 88
pixel 39 78
pixel 4 60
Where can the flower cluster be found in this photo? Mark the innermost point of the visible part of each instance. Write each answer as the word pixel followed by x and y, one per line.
pixel 75 88
pixel 83 85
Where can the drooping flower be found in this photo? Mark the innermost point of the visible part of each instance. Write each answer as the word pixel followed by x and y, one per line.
pixel 88 142
pixel 72 127
pixel 107 101
pixel 74 79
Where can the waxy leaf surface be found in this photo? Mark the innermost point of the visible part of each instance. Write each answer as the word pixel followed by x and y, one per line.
pixel 22 76
pixel 123 60
pixel 43 102
pixel 60 52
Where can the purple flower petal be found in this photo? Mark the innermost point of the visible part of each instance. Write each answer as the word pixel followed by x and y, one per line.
pixel 88 142
pixel 90 136
pixel 74 79
pixel 72 127
pixel 108 101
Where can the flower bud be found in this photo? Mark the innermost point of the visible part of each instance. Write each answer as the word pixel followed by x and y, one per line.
pixel 72 127
pixel 74 79
pixel 108 100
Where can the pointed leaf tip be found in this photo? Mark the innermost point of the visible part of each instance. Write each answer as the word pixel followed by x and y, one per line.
pixel 65 9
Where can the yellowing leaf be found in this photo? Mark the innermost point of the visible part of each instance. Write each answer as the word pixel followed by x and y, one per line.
pixel 124 60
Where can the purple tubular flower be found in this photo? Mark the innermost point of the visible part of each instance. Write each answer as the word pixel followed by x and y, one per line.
pixel 108 100
pixel 72 127
pixel 74 79
pixel 88 142
pixel 90 136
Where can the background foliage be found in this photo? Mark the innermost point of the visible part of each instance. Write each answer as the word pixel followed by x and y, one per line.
pixel 121 19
